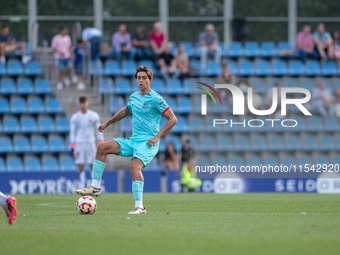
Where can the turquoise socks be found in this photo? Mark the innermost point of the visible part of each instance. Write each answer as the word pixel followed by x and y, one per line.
pixel 137 189
pixel 97 172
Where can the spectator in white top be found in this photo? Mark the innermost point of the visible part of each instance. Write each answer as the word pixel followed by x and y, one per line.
pixel 209 40
pixel 323 100
pixel 121 44
pixel 95 37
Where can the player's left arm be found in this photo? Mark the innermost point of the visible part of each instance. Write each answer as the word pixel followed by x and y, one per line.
pixel 172 121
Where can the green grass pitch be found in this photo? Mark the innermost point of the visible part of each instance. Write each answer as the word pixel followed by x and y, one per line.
pixel 176 224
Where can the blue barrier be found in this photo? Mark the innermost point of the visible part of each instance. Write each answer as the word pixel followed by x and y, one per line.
pixel 152 181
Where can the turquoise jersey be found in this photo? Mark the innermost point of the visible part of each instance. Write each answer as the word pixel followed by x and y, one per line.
pixel 146 113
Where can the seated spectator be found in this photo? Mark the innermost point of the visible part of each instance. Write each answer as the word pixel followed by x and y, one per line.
pixel 337 102
pixel 170 160
pixel 305 44
pixel 8 44
pixel 95 37
pixel 157 40
pixel 323 42
pixel 62 48
pixel 182 62
pixel 141 44
pixel 336 44
pixel 78 52
pixel 168 64
pixel 323 100
pixel 226 77
pixel 121 44
pixel 185 152
pixel 209 45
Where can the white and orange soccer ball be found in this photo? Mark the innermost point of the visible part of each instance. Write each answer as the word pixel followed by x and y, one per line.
pixel 86 205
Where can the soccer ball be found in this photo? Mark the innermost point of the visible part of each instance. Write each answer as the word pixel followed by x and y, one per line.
pixel 86 205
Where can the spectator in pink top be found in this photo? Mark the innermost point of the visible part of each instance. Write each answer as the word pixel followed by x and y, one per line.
pixel 62 48
pixel 157 40
pixel 305 43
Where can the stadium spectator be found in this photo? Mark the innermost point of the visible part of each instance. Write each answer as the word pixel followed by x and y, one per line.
pixel 121 44
pixel 78 52
pixel 8 44
pixel 226 77
pixel 141 44
pixel 323 42
pixel 170 160
pixel 336 44
pixel 95 37
pixel 337 102
pixel 168 64
pixel 185 152
pixel 182 62
pixel 209 45
pixel 323 100
pixel 62 48
pixel 305 43
pixel 157 40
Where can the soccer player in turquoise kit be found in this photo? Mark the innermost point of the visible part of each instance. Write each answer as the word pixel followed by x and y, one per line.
pixel 147 108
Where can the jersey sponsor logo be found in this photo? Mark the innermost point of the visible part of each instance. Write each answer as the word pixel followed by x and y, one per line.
pixel 145 105
pixel 162 103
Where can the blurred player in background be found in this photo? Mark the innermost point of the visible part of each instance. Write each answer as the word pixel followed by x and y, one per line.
pixel 78 52
pixel 147 108
pixel 84 124
pixel 8 203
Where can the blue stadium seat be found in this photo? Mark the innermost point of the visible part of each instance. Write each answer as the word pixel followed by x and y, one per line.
pixel 21 144
pixel 268 49
pixel 4 108
pixel 304 159
pixel 96 67
pixel 123 86
pixel 301 126
pixel 284 46
pixel 10 124
pixel 309 142
pixel 106 86
pixel 224 52
pixel 235 49
pixel 161 145
pixel 25 86
pixel 314 123
pixel 275 142
pixel 246 68
pixel 329 68
pixel 279 67
pixel 112 68
pixel 39 144
pixel 32 68
pixel 331 124
pixel 335 159
pixel 2 165
pixel 236 161
pixel 241 143
pixel 186 86
pixel 321 159
pixel 35 105
pixel 287 160
pixel 7 86
pixel 62 124
pixel 213 68
pixel 195 65
pixel 56 144
pixel 258 142
pixel 42 87
pixel 171 103
pixel 18 105
pixel 2 69
pixel 129 67
pixel 337 140
pixel 272 81
pixel 126 124
pixel 312 68
pixel 253 160
pixel 307 83
pixel 14 164
pixel 117 103
pixel 6 144
pixel 52 105
pixel 290 82
pixel 14 68
pixel 251 49
pixel 295 67
pixel 203 161
pixel 196 124
pixel 148 63
pixel 50 164
pixel 292 142
pixel 32 164
pixel 336 82
pixel 175 140
pixel 326 142
pixel 67 164
pixel 158 86
pixel 233 66
pixel 182 125
pixel 183 105
pixel 224 143
pixel 270 160
pixel 207 143
pixel 219 160
pixel 263 68
pixel 28 124
pixel 174 86
pixel 46 124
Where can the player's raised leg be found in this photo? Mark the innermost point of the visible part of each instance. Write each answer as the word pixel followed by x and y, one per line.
pixel 137 185
pixel 110 147
pixel 8 203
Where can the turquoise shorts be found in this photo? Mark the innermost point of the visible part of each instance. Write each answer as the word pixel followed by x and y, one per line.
pixel 137 148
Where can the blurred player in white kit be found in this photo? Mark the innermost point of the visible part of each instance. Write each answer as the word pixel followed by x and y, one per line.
pixel 83 134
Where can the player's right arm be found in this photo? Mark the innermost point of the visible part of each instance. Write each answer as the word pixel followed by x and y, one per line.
pixel 117 117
